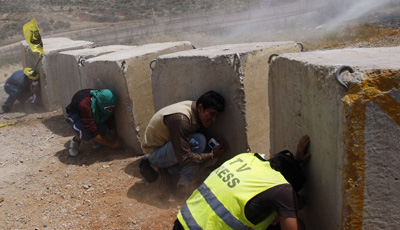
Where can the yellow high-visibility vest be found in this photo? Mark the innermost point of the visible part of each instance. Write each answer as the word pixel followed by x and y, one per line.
pixel 219 203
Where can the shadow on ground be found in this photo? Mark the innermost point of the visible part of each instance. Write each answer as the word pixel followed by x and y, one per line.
pixel 58 125
pixel 20 110
pixel 88 155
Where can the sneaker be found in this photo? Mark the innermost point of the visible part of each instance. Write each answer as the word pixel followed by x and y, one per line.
pixel 149 174
pixel 73 148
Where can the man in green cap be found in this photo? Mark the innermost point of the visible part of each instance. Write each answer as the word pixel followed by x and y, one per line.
pixel 90 114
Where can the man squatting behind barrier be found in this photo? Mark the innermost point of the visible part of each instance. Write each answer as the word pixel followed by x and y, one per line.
pixel 90 114
pixel 21 85
pixel 174 144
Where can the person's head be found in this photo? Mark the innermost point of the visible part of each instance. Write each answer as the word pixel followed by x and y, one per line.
pixel 209 106
pixel 103 104
pixel 31 74
pixel 285 163
pixel 105 100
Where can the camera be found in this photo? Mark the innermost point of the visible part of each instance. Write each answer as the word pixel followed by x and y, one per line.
pixel 213 143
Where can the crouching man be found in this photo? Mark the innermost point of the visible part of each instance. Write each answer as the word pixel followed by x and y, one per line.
pixel 173 142
pixel 248 192
pixel 21 85
pixel 90 115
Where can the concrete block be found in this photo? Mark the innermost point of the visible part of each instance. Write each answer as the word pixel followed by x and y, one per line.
pixel 70 68
pixel 353 176
pixel 239 72
pixel 49 91
pixel 128 73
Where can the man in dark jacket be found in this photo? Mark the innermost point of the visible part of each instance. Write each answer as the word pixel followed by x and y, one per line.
pixel 21 85
pixel 90 114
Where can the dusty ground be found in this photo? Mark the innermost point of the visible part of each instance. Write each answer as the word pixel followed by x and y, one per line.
pixel 41 187
pixel 44 188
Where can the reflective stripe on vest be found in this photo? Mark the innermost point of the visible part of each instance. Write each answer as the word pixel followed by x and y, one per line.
pixel 218 204
pixel 190 221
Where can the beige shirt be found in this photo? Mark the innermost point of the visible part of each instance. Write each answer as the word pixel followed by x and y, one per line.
pixel 175 123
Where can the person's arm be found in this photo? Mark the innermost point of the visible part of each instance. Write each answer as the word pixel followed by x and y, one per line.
pixel 288 223
pixel 112 143
pixel 301 155
pixel 86 117
pixel 280 198
pixel 179 128
pixel 221 148
pixel 111 140
pixel 34 87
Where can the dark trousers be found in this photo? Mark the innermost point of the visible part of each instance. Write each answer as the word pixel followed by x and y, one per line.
pixel 177 225
pixel 14 93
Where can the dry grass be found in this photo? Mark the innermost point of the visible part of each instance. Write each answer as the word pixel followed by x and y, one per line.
pixel 355 35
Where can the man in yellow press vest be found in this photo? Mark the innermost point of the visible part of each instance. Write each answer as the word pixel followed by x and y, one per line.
pixel 248 192
pixel 174 143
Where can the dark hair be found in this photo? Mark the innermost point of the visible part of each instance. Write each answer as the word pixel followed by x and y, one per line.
pixel 34 73
pixel 285 163
pixel 211 99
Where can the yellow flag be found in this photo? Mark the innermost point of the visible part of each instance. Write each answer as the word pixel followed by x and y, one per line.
pixel 32 36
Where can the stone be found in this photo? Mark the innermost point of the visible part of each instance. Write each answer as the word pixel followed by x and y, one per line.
pixel 44 65
pixel 239 72
pixel 354 132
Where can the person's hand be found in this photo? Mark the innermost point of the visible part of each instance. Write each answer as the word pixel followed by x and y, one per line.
pixel 116 143
pixel 221 148
pixel 301 154
pixel 34 88
pixel 105 141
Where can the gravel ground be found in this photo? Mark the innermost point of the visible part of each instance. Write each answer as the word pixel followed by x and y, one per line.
pixel 42 187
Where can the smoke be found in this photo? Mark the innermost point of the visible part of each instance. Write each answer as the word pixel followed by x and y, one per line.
pixel 279 20
pixel 354 10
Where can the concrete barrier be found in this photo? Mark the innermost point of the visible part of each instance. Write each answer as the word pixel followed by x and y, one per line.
pixel 239 72
pixel 49 93
pixel 353 175
pixel 128 73
pixel 70 69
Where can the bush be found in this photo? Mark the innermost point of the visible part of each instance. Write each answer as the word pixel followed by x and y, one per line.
pixel 105 18
pixel 45 26
pixel 62 25
pixel 11 29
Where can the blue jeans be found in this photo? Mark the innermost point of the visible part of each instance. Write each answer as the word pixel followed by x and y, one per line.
pixel 75 122
pixel 14 93
pixel 164 157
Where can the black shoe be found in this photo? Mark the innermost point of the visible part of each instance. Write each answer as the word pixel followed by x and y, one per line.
pixel 149 174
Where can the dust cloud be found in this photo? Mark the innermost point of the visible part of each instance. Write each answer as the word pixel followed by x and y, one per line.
pixel 352 10
pixel 278 20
